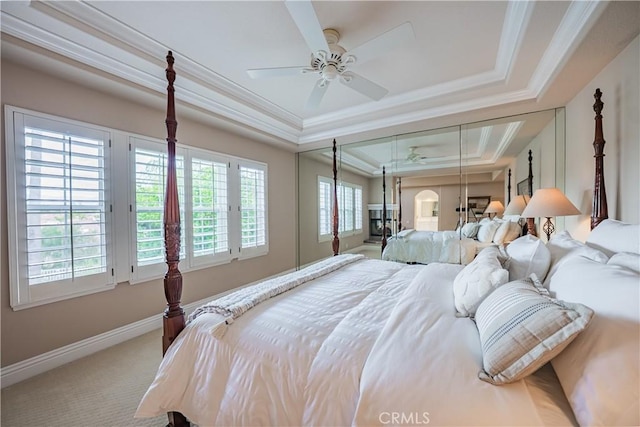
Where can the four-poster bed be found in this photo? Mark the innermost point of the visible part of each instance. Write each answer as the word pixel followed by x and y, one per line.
pixel 458 247
pixel 349 346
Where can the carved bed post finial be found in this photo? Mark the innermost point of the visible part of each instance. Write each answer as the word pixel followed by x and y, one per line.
pixel 600 209
pixel 173 319
pixel 336 240
pixel 384 209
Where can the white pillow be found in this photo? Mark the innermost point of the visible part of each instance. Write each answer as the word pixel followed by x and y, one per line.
pixel 521 328
pixel 487 230
pixel 507 232
pixel 611 236
pixel 476 280
pixel 527 255
pixel 626 260
pixel 600 370
pixel 562 247
pixel 470 229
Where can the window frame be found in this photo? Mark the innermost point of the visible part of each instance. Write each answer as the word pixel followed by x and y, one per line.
pixel 22 294
pixel 120 209
pixel 356 207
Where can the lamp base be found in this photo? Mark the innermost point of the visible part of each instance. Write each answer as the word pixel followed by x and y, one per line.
pixel 548 228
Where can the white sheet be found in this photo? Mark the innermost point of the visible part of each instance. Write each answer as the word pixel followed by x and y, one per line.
pixel 340 350
pixel 426 247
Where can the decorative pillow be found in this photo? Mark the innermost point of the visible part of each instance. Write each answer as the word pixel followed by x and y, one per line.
pixel 487 230
pixel 600 371
pixel 527 255
pixel 611 236
pixel 470 229
pixel 626 260
pixel 507 232
pixel 476 280
pixel 563 247
pixel 521 328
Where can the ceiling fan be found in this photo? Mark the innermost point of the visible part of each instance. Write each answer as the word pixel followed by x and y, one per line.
pixel 330 60
pixel 414 157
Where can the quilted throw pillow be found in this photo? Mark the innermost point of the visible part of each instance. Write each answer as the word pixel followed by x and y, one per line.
pixel 521 328
pixel 477 280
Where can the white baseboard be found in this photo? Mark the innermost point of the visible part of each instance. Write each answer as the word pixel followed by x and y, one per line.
pixel 25 369
pixel 28 368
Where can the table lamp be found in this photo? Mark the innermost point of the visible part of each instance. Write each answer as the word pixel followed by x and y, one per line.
pixel 495 207
pixel 547 203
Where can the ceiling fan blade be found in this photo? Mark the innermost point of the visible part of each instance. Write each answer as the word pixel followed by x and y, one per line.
pixel 364 86
pixel 317 94
pixel 304 15
pixel 385 42
pixel 259 73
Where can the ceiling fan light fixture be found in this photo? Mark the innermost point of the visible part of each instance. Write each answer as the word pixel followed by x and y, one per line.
pixel 330 72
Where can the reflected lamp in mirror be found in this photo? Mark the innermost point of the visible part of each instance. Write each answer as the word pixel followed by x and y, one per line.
pixel 495 207
pixel 517 205
pixel 547 203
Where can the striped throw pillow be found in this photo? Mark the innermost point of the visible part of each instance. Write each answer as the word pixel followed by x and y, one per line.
pixel 521 328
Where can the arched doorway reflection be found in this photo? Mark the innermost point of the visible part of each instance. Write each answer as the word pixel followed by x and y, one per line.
pixel 426 210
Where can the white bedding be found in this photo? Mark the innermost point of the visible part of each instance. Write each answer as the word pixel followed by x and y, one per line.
pixel 425 247
pixel 352 347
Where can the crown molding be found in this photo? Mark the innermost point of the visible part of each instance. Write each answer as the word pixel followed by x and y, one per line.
pixel 140 63
pixel 576 22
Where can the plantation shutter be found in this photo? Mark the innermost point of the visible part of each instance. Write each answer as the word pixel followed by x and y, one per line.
pixel 62 212
pixel 253 206
pixel 210 208
pixel 150 168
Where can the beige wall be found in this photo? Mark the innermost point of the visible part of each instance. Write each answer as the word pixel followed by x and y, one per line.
pixel 30 332
pixel 619 83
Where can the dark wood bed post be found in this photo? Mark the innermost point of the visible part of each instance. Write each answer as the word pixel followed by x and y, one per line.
pixel 399 203
pixel 509 188
pixel 336 240
pixel 531 222
pixel 384 210
pixel 600 209
pixel 173 319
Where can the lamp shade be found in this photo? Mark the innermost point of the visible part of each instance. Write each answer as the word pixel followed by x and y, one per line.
pixel 494 207
pixel 517 205
pixel 548 202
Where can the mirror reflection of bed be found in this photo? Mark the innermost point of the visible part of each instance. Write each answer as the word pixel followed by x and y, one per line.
pixel 447 176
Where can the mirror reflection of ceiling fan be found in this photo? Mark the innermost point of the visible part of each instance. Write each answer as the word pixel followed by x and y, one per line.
pixel 331 61
pixel 414 157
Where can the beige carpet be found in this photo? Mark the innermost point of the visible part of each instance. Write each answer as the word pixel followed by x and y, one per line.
pixel 100 390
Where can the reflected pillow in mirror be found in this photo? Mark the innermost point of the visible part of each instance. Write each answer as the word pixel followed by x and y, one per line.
pixel 487 230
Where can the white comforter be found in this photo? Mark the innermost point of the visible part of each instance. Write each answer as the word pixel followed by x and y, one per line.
pixel 426 247
pixel 356 346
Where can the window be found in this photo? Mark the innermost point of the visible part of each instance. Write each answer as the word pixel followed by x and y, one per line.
pixel 325 204
pixel 210 208
pixel 253 208
pixel 149 165
pixel 89 206
pixel 206 191
pixel 58 175
pixel 349 208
